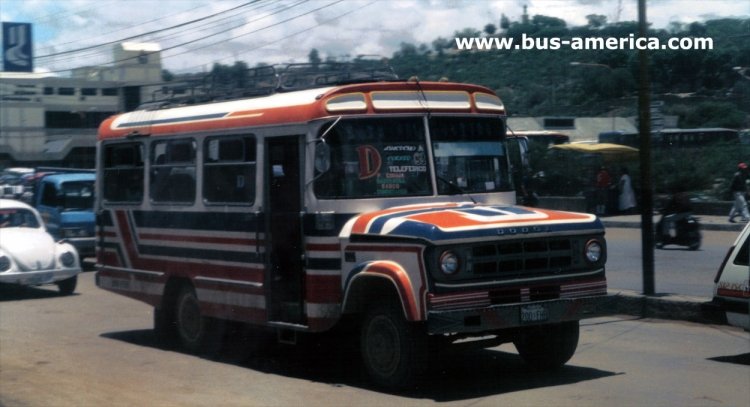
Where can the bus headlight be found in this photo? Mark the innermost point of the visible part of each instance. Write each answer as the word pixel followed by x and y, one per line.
pixel 593 251
pixel 449 263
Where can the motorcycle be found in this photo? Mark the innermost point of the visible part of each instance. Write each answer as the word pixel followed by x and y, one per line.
pixel 683 231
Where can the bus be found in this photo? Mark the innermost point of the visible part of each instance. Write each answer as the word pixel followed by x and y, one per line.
pixel 543 137
pixel 669 138
pixel 385 204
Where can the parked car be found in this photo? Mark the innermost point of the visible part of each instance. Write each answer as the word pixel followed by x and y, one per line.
pixel 29 256
pixel 66 203
pixel 11 182
pixel 732 288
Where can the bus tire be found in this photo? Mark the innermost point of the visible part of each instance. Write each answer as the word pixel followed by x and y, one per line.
pixel 548 347
pixel 165 329
pixel 394 350
pixel 196 333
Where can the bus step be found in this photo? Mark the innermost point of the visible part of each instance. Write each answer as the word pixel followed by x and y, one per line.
pixel 286 336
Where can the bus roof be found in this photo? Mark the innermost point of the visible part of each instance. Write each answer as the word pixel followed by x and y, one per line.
pixel 306 105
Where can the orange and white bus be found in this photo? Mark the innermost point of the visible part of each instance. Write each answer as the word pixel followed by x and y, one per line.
pixel 387 203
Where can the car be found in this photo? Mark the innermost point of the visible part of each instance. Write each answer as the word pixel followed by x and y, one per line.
pixel 29 256
pixel 11 182
pixel 732 285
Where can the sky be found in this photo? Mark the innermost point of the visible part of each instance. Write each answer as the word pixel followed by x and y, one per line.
pixel 195 34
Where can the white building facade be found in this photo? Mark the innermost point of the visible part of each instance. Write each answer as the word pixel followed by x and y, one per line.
pixel 49 120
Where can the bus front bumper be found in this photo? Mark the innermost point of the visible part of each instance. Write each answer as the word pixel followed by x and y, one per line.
pixel 503 316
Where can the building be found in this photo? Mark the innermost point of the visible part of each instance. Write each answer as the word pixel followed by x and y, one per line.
pixel 50 120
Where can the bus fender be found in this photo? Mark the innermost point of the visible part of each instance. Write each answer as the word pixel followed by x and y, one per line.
pixel 367 282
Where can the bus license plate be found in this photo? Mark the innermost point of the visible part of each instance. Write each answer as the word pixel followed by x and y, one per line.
pixel 534 313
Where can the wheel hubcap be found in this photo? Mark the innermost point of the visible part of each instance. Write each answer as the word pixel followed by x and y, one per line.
pixel 383 350
pixel 189 317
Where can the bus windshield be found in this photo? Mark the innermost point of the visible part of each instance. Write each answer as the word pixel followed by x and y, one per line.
pixel 388 157
pixel 376 158
pixel 469 155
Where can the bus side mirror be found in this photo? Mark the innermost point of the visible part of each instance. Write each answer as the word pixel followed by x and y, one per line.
pixel 322 157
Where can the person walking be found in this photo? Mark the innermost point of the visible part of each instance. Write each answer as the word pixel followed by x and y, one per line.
pixel 739 190
pixel 602 185
pixel 627 195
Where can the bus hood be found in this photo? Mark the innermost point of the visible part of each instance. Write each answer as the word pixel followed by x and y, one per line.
pixel 84 219
pixel 451 221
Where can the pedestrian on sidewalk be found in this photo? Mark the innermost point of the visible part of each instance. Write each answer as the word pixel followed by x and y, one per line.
pixel 627 195
pixel 602 185
pixel 738 187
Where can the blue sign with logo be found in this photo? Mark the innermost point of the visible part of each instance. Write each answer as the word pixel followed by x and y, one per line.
pixel 17 47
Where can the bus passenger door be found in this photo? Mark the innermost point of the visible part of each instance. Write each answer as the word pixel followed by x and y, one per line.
pixel 284 231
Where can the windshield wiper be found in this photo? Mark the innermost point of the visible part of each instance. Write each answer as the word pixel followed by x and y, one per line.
pixel 454 189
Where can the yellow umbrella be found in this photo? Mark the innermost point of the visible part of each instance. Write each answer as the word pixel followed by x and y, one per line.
pixel 597 148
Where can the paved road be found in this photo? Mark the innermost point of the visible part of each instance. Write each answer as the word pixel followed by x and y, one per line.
pixel 96 348
pixel 677 270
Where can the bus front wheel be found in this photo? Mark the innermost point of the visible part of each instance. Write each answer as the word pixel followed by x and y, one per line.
pixel 548 347
pixel 393 349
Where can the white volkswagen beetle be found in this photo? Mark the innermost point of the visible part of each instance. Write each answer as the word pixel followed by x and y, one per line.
pixel 29 255
pixel 732 282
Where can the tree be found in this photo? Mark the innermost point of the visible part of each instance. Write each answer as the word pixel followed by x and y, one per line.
pixel 504 22
pixel 166 76
pixel 440 44
pixel 490 29
pixel 596 20
pixel 314 58
pixel 548 22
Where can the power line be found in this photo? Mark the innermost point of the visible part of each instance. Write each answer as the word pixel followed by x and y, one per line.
pixel 274 11
pixel 147 33
pixel 295 33
pixel 94 50
pixel 248 33
pixel 132 26
pixel 222 31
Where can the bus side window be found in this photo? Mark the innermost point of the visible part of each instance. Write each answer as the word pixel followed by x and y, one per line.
pixel 173 171
pixel 229 170
pixel 123 173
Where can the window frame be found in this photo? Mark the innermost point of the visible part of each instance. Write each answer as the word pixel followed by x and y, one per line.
pixel 250 146
pixel 168 184
pixel 119 168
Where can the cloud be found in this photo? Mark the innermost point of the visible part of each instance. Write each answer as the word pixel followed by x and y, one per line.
pixel 349 27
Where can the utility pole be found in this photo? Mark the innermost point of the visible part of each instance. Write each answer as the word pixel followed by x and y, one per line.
pixel 644 131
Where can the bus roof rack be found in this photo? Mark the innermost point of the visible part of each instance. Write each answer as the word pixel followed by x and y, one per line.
pixel 266 80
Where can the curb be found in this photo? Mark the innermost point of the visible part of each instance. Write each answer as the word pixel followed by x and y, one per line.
pixel 729 227
pixel 666 306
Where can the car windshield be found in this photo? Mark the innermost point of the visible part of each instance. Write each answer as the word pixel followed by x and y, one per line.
pixel 18 218
pixel 469 155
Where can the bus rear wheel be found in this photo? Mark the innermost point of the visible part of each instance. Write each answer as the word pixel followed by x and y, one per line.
pixel 196 333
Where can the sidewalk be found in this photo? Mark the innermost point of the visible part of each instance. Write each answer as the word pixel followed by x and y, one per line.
pixel 665 306
pixel 668 306
pixel 708 222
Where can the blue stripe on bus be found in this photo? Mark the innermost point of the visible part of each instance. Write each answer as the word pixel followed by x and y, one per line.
pixel 429 232
pixel 173 120
pixel 202 254
pixel 217 221
pixel 324 264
